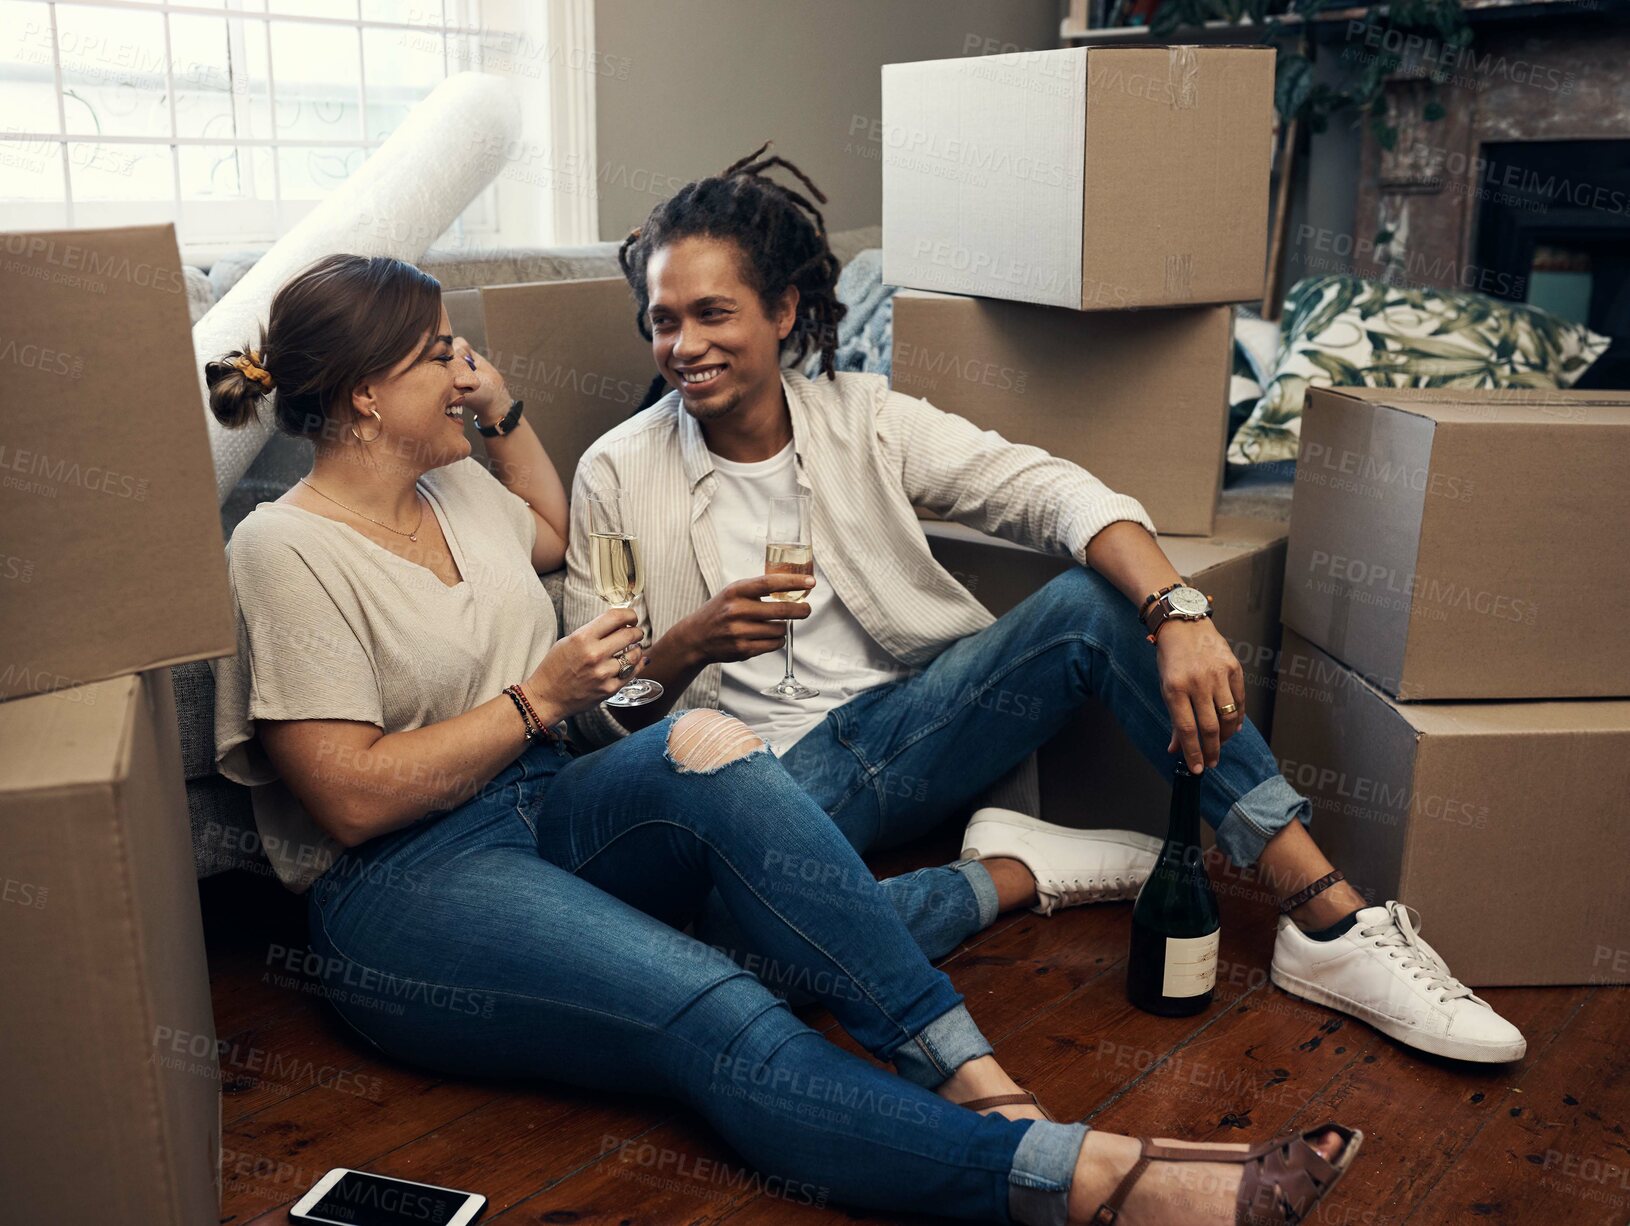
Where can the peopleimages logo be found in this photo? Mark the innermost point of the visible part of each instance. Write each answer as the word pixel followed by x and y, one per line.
pixel 75 257
pixel 1368 577
pixel 1444 59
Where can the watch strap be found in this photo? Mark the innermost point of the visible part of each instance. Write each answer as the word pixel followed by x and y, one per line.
pixel 1154 596
pixel 510 420
pixel 1163 612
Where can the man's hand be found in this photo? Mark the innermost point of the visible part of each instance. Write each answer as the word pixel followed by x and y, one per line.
pixel 739 623
pixel 1199 674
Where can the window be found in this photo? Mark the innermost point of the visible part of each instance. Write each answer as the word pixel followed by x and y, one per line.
pixel 233 118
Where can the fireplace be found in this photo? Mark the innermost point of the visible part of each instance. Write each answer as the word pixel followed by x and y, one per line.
pixel 1521 187
pixel 1553 226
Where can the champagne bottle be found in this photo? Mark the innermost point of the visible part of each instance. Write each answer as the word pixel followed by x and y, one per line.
pixel 1172 967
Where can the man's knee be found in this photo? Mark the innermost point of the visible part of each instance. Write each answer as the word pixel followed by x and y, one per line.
pixel 702 741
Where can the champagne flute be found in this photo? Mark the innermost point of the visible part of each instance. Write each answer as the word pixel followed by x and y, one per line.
pixel 614 553
pixel 788 551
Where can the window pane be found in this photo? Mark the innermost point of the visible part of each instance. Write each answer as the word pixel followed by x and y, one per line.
pixel 113 71
pixel 221 77
pixel 402 67
pixel 105 171
pixel 202 71
pixel 414 12
pixel 30 170
pixel 316 73
pixel 311 174
pixel 28 90
pixel 225 172
pixel 315 8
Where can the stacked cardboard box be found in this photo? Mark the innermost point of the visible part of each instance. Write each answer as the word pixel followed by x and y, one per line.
pixel 568 349
pixel 113 567
pixel 1068 228
pixel 1057 191
pixel 1452 687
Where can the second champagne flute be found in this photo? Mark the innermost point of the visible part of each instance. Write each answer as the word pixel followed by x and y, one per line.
pixel 614 553
pixel 788 551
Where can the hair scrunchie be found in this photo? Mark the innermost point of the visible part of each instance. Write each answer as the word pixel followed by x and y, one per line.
pixel 249 365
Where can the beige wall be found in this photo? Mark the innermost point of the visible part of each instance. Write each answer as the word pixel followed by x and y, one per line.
pixel 699 83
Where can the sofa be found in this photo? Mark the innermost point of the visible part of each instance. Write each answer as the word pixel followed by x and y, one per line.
pixel 223 826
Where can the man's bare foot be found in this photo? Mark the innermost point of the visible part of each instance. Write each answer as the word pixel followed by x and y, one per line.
pixel 984 1078
pixel 1167 1193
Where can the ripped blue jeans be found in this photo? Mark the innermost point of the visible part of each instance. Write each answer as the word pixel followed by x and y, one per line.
pixel 896 761
pixel 534 931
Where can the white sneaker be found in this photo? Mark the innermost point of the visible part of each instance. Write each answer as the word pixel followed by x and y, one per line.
pixel 1070 866
pixel 1381 972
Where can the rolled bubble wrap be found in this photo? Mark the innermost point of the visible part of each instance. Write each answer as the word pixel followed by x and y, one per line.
pixel 397 203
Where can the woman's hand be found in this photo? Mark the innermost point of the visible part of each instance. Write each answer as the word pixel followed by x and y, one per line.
pixel 581 669
pixel 1199 675
pixel 491 400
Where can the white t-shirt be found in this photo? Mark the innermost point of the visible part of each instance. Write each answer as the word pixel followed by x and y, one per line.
pixel 831 651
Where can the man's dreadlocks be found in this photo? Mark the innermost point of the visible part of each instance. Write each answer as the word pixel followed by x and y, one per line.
pixel 782 238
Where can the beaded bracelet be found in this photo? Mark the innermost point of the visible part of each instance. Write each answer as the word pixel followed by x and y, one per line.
pixel 535 725
pixel 515 696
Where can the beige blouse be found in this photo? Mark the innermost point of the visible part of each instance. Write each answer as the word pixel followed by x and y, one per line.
pixel 332 625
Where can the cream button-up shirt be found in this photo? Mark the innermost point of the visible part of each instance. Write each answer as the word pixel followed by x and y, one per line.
pixel 870 456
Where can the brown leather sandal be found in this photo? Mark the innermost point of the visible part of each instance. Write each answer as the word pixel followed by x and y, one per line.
pixel 1024 1097
pixel 1283 1178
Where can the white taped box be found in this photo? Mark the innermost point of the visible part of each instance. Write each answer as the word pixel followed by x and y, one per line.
pixel 1096 178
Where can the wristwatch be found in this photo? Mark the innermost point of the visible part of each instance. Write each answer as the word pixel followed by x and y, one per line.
pixel 1179 601
pixel 510 421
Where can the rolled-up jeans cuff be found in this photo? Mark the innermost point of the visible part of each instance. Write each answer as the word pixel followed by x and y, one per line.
pixel 987 905
pixel 1038 1186
pixel 940 1048
pixel 1257 816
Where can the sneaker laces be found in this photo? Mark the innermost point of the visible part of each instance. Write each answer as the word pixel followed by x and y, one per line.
pixel 1072 890
pixel 1401 933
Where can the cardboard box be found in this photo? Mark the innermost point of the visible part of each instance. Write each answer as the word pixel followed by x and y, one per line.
pixel 570 350
pixel 1502 823
pixel 1138 400
pixel 111 556
pixel 465 314
pixel 1464 544
pixel 1091 774
pixel 112 1084
pixel 1097 178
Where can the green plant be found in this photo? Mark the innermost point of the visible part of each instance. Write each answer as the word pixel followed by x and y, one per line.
pixel 1436 27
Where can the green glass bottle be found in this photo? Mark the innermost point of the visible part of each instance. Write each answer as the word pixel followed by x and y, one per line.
pixel 1172 967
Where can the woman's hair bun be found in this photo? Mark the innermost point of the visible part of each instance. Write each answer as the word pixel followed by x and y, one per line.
pixel 238 381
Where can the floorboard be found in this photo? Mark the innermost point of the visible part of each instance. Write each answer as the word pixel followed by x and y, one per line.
pixel 1539 1141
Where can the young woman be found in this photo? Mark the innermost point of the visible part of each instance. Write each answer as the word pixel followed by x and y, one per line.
pixel 486 899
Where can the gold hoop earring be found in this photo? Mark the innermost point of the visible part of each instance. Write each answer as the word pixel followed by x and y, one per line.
pixel 372 437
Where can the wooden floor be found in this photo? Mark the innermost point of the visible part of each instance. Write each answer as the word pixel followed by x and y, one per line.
pixel 1542 1141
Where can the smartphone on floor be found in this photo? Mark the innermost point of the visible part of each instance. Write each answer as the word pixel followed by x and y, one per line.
pixel 356 1198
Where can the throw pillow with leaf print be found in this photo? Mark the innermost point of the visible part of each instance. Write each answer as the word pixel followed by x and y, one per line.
pixel 1343 331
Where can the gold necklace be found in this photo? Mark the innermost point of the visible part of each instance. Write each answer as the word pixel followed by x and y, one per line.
pixel 412 536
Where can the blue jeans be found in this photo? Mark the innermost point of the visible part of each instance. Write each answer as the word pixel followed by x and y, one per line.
pixel 533 931
pixel 894 762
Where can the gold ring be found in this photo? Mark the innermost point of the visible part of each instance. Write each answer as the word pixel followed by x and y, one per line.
pixel 1229 709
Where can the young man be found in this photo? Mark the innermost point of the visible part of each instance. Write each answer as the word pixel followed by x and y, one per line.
pixel 926 701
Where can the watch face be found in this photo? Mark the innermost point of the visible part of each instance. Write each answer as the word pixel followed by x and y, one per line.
pixel 1188 600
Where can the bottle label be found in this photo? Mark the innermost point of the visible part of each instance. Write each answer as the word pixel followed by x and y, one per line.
pixel 1191 965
